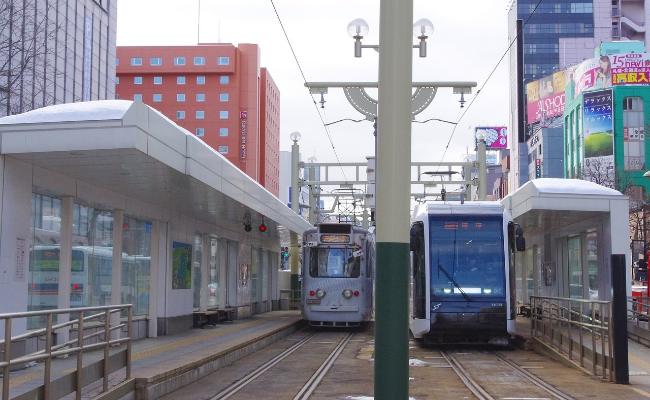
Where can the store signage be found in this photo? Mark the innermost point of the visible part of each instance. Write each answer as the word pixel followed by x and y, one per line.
pixel 538 168
pixel 496 137
pixel 243 133
pixel 545 98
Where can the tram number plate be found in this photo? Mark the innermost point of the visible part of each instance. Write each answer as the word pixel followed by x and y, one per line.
pixel 313 301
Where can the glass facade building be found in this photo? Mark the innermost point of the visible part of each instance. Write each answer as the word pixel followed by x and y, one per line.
pixel 552 20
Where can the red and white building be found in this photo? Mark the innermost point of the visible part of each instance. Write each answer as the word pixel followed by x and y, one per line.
pixel 216 91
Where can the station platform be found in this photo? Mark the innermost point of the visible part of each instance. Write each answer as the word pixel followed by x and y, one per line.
pixel 163 364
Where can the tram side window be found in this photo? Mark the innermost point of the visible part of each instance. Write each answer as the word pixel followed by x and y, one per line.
pixel 419 270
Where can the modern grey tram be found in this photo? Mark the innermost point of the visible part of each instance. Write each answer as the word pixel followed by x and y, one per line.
pixel 337 275
pixel 462 286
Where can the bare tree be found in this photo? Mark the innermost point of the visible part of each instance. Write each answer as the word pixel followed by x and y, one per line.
pixel 27 30
pixel 598 171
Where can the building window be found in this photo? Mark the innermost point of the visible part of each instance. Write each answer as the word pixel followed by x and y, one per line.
pixel 180 80
pixel 223 114
pixel 200 132
pixel 137 97
pixel 633 134
pixel 224 97
pixel 180 115
pixel 157 97
pixel 200 97
pixel 223 60
pixel 180 97
pixel 117 61
pixel 117 80
pixel 179 60
pixel 155 61
pixel 136 61
pixel 136 263
pixel 223 149
pixel 137 80
pixel 157 80
pixel 200 114
pixel 200 79
pixel 223 132
pixel 224 79
pixel 199 60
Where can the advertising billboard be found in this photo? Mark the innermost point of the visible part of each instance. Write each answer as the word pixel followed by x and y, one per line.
pixel 545 98
pixel 496 137
pixel 598 127
pixel 612 70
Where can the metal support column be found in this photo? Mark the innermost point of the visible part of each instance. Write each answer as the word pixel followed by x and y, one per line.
pixel 619 319
pixel 294 247
pixel 482 169
pixel 393 199
pixel 65 266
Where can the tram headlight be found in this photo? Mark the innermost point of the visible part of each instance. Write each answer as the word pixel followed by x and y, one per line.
pixel 347 293
pixel 487 291
pixel 447 290
pixel 320 293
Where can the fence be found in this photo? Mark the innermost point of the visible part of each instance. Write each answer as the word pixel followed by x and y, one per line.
pixel 577 329
pixel 106 320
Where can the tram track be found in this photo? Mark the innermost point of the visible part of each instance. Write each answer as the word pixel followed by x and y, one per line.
pixel 307 389
pixel 481 393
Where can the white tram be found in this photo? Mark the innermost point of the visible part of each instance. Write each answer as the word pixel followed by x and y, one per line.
pixel 337 275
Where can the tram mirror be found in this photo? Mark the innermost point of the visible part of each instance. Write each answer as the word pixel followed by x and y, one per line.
pixel 415 236
pixel 520 241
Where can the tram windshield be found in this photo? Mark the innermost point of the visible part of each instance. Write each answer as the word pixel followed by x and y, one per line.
pixel 334 262
pixel 467 256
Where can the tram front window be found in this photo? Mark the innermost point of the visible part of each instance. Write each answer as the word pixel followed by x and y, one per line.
pixel 467 256
pixel 334 263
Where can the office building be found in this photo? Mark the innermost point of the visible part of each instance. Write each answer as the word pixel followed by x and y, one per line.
pixel 217 92
pixel 61 52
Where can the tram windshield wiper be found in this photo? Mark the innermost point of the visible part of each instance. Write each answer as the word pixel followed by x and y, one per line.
pixel 460 289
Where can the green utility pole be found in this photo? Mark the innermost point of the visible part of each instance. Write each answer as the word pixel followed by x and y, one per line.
pixel 393 199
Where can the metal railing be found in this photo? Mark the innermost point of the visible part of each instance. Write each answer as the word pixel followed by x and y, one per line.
pixel 107 322
pixel 638 311
pixel 577 329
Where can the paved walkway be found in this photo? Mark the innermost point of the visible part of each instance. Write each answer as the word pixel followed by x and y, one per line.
pixel 154 358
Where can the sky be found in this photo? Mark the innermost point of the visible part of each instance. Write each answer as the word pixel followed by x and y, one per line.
pixel 469 37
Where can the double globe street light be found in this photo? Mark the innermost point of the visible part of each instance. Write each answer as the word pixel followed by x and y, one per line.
pixel 358 29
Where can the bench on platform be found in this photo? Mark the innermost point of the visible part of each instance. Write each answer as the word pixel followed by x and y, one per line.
pixel 213 316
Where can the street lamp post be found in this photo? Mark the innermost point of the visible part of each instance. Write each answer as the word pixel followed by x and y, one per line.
pixel 294 248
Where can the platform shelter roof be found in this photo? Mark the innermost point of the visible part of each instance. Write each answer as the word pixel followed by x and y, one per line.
pixel 129 147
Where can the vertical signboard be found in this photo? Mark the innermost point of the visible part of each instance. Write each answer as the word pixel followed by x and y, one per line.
pixel 598 127
pixel 538 168
pixel 243 133
pixel 633 134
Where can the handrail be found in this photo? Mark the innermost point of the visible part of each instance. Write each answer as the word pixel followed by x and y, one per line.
pixel 109 331
pixel 569 326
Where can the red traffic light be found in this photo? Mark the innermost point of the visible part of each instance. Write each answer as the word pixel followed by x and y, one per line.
pixel 262 227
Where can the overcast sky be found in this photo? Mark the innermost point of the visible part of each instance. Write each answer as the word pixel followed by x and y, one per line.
pixel 469 37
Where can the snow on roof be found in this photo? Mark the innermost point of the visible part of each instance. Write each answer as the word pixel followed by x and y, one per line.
pixel 98 110
pixel 570 186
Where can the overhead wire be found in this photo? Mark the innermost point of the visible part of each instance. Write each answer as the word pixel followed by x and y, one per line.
pixel 478 92
pixel 304 79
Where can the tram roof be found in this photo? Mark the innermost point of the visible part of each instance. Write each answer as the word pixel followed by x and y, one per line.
pixel 456 207
pixel 133 149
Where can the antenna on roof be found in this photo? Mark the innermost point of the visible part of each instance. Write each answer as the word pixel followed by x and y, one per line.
pixel 198 25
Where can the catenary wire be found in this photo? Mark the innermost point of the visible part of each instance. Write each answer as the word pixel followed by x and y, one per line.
pixel 304 79
pixel 478 92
